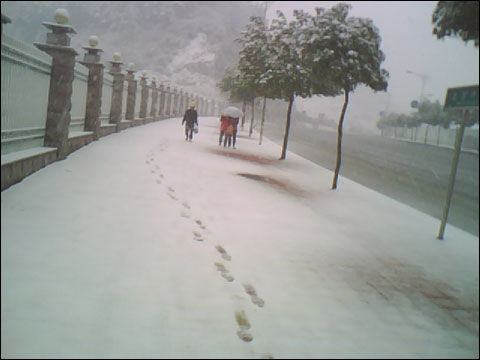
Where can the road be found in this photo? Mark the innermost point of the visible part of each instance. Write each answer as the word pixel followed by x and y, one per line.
pixel 412 173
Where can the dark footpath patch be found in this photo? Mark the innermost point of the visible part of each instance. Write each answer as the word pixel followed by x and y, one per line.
pixel 277 183
pixel 247 157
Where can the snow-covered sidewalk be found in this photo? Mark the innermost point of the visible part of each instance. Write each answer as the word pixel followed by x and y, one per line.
pixel 144 245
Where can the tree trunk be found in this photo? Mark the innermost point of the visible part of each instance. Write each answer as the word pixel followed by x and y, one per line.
pixel 339 141
pixel 426 133
pixel 251 121
pixel 244 108
pixel 287 129
pixel 438 135
pixel 263 120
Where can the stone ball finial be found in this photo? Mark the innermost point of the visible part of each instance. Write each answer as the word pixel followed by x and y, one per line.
pixel 144 73
pixel 154 78
pixel 131 66
pixel 117 57
pixel 61 16
pixel 93 41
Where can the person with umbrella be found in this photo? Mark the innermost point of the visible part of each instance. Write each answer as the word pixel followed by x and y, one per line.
pixel 190 120
pixel 224 121
pixel 230 117
pixel 231 132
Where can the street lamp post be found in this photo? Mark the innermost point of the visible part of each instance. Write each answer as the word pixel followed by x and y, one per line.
pixel 423 78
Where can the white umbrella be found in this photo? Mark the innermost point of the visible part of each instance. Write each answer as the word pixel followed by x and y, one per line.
pixel 232 111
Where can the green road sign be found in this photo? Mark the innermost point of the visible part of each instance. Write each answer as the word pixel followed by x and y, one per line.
pixel 462 97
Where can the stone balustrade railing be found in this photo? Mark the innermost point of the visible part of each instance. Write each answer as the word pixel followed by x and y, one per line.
pixel 82 103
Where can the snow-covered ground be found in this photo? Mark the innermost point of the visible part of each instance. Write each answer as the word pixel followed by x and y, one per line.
pixel 144 245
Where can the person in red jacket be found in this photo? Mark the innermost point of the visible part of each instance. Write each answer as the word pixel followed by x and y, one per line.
pixel 224 121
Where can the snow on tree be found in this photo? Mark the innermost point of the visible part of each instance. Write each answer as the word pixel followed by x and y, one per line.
pixel 456 18
pixel 343 53
pixel 288 76
pixel 254 61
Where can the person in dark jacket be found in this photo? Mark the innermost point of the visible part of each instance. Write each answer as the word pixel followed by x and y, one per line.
pixel 234 123
pixel 190 120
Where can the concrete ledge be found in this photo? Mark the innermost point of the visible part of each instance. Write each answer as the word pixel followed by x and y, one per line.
pixel 107 129
pixel 18 165
pixel 124 124
pixel 138 122
pixel 78 139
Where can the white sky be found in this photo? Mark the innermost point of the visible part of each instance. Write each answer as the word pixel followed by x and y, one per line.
pixel 408 43
pixel 99 258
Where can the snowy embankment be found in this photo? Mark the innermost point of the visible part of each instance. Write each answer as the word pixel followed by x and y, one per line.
pixel 145 245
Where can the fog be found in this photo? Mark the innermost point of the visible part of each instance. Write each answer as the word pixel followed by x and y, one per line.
pixel 133 29
pixel 142 244
pixel 409 45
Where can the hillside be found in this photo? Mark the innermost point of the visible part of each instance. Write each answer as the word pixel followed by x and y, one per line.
pixel 188 42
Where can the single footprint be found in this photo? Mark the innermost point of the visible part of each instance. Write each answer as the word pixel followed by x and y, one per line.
pixel 184 214
pixel 250 289
pixel 158 181
pixel 185 204
pixel 220 267
pixel 258 301
pixel 222 251
pixel 244 335
pixel 199 223
pixel 224 271
pixel 197 236
pixel 242 319
pixel 227 277
pixel 171 189
pixel 172 196
pixel 253 295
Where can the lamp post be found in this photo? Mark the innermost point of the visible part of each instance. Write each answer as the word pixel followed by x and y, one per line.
pixel 423 78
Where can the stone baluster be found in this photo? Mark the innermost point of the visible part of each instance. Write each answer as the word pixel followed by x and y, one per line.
pixel 214 113
pixel 131 92
pixel 144 100
pixel 175 102
pixel 117 91
pixel 186 103
pixel 61 79
pixel 161 104
pixel 91 60
pixel 202 106
pixel 169 101
pixel 180 102
pixel 209 108
pixel 153 108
